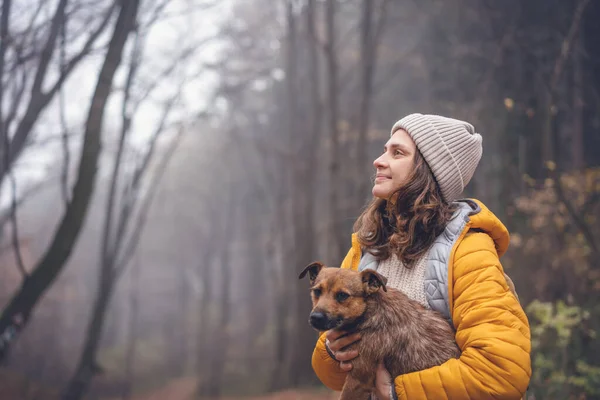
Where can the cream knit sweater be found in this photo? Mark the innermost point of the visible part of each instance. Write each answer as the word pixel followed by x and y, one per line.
pixel 407 280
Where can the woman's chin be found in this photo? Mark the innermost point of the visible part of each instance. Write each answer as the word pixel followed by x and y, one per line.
pixel 380 192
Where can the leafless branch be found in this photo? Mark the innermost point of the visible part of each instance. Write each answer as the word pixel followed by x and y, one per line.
pixel 156 13
pixel 63 119
pixel 185 54
pixel 575 216
pixel 131 192
pixel 142 214
pixel 567 44
pixel 87 47
pixel 46 55
pixel 4 20
pixel 109 241
pixel 15 227
pixel 38 99
pixel 18 91
pixel 6 214
pixel 51 138
pixel 554 168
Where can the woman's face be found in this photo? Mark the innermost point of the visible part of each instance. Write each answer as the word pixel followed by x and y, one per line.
pixel 394 165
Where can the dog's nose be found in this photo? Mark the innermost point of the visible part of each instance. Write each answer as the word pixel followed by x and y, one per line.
pixel 318 320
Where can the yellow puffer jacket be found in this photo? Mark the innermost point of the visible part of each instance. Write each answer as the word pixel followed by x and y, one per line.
pixel 492 329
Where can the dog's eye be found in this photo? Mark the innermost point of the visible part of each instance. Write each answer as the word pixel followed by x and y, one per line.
pixel 317 292
pixel 341 296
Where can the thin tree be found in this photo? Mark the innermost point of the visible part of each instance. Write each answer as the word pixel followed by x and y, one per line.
pixel 121 231
pixel 370 35
pixel 16 314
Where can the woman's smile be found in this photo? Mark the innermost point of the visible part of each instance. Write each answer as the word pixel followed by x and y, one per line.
pixel 382 178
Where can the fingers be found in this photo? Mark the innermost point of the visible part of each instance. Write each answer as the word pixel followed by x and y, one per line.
pixel 345 356
pixel 334 334
pixel 338 342
pixel 346 366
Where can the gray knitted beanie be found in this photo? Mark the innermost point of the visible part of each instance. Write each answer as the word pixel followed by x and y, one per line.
pixel 450 147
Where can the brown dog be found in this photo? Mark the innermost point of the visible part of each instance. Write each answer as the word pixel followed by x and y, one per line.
pixel 394 329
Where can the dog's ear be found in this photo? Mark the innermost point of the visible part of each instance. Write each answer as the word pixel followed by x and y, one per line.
pixel 373 281
pixel 313 270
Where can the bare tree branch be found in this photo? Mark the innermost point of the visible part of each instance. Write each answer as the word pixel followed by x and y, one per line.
pixel 15 228
pixel 552 165
pixel 6 214
pixel 567 44
pixel 46 55
pixel 109 241
pixel 38 99
pixel 131 193
pixel 4 20
pixel 63 119
pixel 18 91
pixel 575 216
pixel 139 224
pixel 16 314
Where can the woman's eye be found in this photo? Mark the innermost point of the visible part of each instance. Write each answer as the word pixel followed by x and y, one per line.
pixel 317 292
pixel 341 296
pixel 398 153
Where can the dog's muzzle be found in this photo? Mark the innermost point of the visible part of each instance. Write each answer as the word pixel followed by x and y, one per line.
pixel 322 322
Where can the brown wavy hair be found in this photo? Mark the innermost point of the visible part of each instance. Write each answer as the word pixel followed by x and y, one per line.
pixel 407 223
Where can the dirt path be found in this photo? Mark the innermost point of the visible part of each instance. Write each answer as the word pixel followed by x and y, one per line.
pixel 183 389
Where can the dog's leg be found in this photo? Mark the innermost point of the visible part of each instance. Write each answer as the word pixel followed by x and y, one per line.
pixel 354 390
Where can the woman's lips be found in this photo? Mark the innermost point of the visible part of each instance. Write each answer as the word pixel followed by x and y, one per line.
pixel 381 178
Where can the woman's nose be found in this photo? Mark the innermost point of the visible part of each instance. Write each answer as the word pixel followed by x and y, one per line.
pixel 379 162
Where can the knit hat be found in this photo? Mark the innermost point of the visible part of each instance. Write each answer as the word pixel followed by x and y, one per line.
pixel 450 147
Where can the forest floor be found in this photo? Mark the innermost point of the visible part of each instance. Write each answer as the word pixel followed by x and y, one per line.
pixel 14 387
pixel 183 389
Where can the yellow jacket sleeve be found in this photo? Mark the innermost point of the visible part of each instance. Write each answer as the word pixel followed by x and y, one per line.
pixel 326 368
pixel 491 330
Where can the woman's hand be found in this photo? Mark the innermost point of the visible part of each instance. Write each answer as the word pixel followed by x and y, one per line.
pixel 336 341
pixel 383 383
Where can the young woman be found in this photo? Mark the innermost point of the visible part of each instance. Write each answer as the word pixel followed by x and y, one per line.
pixel 444 253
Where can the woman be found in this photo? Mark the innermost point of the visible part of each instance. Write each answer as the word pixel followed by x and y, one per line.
pixel 444 253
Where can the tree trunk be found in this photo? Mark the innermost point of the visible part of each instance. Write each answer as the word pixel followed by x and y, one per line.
pixel 220 340
pixel 282 308
pixel 4 21
pixel 16 315
pixel 130 348
pixel 577 148
pixel 369 41
pixel 204 328
pixel 335 236
pixel 181 332
pixel 367 64
pixel 87 367
pixel 301 338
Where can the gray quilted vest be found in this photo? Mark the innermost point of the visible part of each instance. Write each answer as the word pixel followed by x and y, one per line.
pixel 436 271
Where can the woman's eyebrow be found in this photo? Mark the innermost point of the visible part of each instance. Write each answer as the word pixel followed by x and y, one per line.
pixel 397 145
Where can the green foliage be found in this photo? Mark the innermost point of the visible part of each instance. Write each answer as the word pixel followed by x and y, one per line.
pixel 558 372
pixel 558 227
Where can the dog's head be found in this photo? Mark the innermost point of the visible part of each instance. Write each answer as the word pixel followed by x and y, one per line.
pixel 339 296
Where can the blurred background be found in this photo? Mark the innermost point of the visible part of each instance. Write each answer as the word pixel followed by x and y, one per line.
pixel 169 167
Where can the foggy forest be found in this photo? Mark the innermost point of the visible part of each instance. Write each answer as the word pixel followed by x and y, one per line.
pixel 168 167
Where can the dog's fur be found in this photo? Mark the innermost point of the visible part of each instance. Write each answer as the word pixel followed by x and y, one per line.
pixel 394 329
